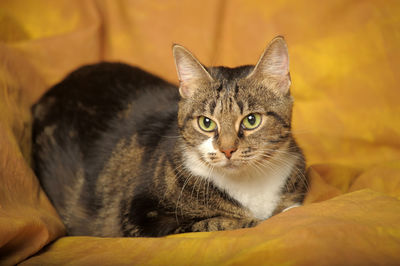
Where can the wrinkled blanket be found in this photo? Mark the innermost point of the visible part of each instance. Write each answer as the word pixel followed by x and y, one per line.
pixel 344 62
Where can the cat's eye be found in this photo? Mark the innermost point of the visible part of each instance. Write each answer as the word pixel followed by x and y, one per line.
pixel 206 124
pixel 251 121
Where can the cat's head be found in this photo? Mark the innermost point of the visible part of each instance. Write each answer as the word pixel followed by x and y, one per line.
pixel 234 119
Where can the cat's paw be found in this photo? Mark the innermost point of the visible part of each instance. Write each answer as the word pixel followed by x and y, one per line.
pixel 222 223
pixel 291 207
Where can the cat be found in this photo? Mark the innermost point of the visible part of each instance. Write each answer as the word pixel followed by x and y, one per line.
pixel 121 152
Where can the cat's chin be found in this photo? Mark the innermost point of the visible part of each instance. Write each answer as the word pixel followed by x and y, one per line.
pixel 230 166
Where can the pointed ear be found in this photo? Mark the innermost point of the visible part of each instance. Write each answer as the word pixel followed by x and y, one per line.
pixel 190 71
pixel 273 66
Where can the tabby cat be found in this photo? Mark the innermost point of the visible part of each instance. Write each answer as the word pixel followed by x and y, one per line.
pixel 121 152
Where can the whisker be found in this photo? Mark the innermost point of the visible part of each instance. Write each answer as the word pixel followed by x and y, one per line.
pixel 300 174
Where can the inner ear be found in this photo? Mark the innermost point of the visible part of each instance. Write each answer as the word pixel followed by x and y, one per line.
pixel 190 71
pixel 272 68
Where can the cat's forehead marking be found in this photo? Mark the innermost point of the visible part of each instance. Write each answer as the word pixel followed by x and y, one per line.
pixel 211 106
pixel 229 88
pixel 225 98
pixel 240 105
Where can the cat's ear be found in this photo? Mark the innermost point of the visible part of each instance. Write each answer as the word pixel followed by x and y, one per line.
pixel 190 71
pixel 272 68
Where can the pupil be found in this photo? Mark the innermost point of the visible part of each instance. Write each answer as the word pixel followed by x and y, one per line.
pixel 251 119
pixel 207 122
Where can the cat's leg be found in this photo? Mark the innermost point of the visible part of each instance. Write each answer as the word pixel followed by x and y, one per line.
pixel 223 223
pixel 295 190
pixel 289 201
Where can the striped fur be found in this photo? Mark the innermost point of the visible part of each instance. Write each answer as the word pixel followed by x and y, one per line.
pixel 120 152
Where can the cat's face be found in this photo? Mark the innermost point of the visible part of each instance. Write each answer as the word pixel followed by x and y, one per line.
pixel 235 119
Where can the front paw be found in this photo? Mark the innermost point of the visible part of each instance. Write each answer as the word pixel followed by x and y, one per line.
pixel 222 223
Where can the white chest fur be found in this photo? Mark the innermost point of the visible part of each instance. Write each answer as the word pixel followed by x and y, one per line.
pixel 258 192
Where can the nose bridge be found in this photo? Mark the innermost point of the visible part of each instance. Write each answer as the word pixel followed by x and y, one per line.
pixel 227 138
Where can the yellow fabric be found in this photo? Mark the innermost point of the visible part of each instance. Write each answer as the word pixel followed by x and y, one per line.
pixel 344 57
pixel 334 232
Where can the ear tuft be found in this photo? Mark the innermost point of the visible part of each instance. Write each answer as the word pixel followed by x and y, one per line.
pixel 190 71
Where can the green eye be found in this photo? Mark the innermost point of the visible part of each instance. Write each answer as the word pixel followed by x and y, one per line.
pixel 206 124
pixel 251 121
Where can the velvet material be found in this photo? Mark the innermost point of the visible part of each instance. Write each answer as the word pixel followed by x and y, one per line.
pixel 343 60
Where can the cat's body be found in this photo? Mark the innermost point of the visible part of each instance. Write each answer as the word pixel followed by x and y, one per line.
pixel 117 157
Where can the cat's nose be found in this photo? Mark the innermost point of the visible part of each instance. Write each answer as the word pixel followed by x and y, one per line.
pixel 228 152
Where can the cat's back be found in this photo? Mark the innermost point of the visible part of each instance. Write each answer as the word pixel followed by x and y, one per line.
pixel 87 100
pixel 88 112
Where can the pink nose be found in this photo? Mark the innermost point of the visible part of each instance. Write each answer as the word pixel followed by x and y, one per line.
pixel 228 152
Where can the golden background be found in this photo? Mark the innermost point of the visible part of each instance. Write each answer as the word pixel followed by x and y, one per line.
pixel 345 66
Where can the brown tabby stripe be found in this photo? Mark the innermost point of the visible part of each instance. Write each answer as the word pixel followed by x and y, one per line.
pixel 282 138
pixel 278 118
pixel 236 90
pixel 219 88
pixel 240 104
pixel 230 104
pixel 212 107
pixel 187 118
